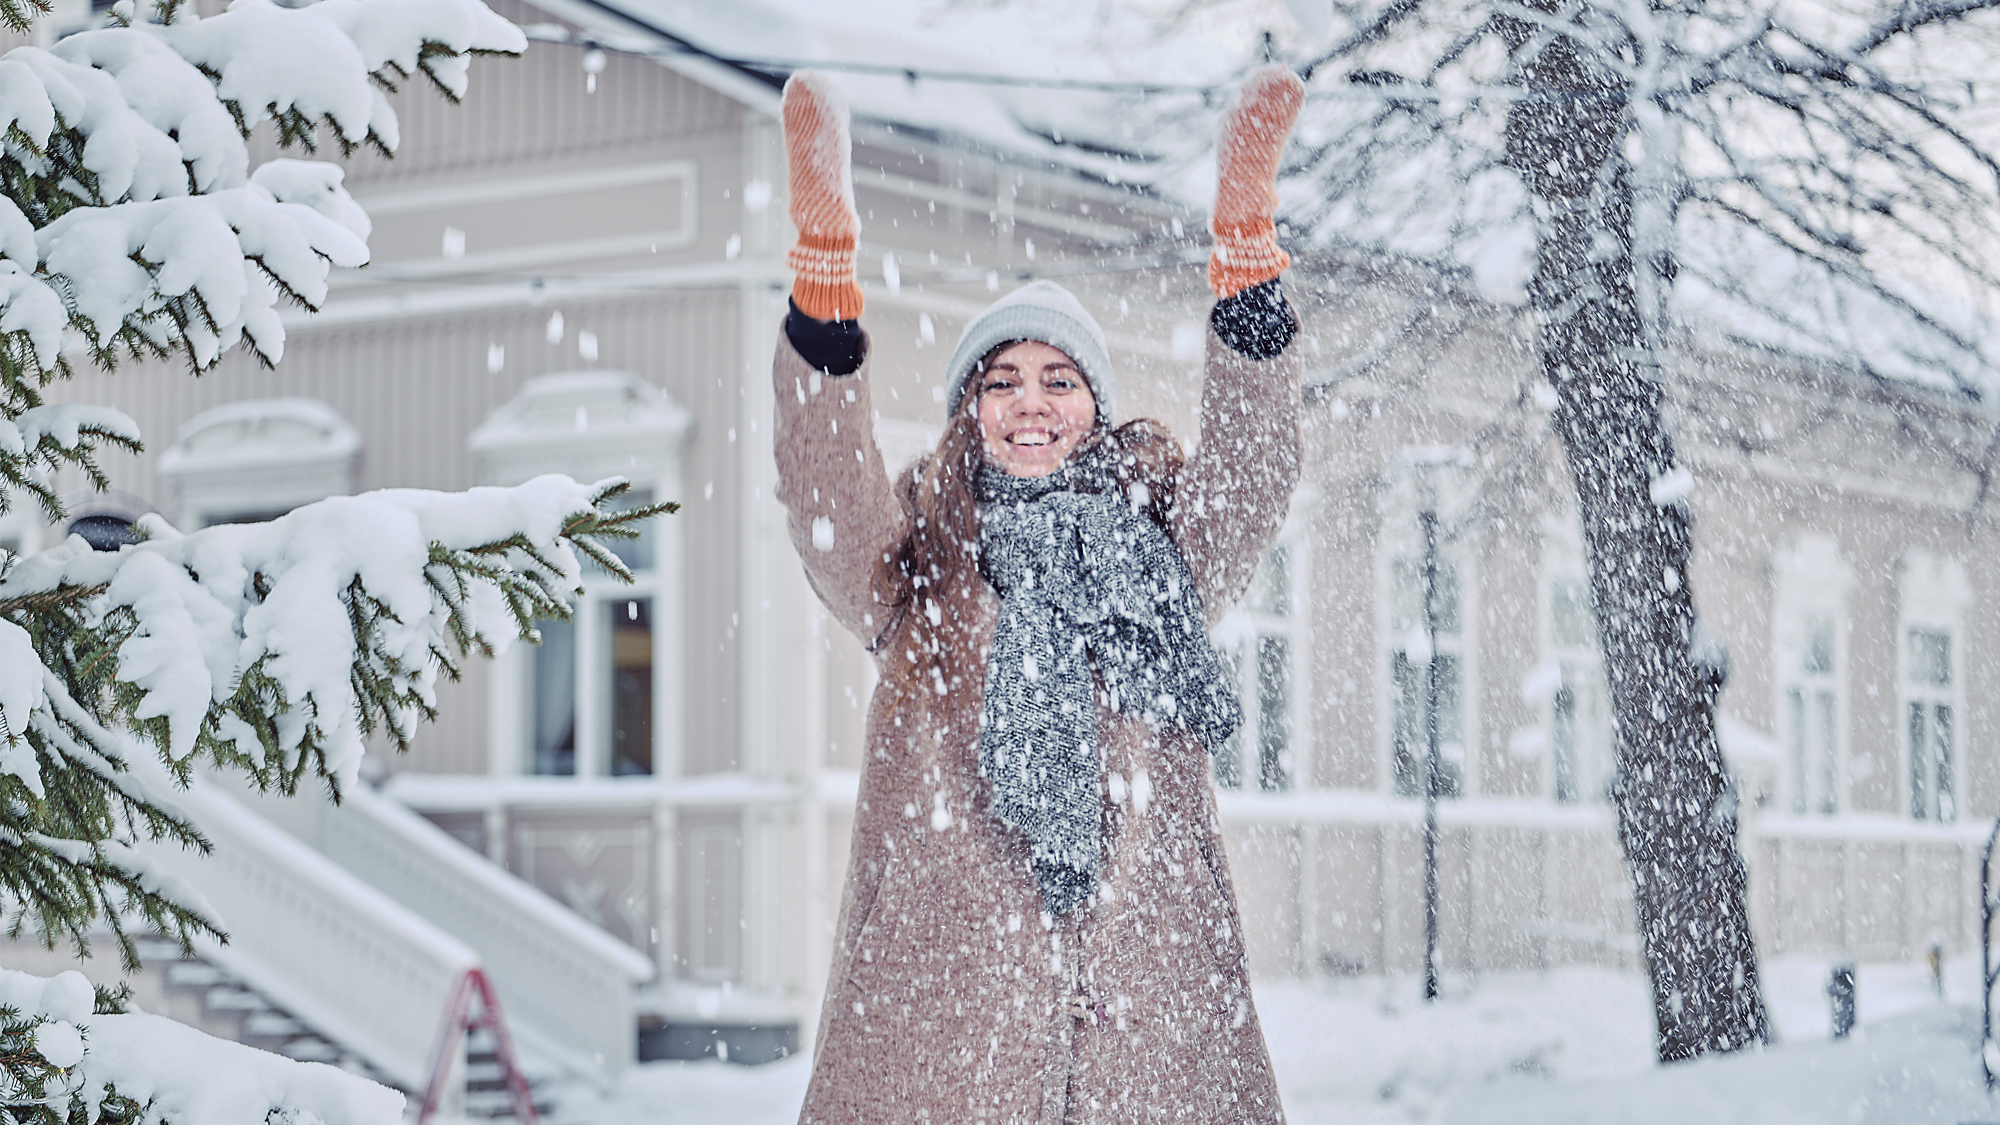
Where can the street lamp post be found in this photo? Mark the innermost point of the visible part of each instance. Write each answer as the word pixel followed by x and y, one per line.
pixel 1432 768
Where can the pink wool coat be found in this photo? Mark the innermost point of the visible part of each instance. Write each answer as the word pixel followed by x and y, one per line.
pixel 952 997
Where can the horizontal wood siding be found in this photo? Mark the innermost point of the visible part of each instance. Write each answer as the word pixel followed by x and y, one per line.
pixel 535 110
pixel 415 390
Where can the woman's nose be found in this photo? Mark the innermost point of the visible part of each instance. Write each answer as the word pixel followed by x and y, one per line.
pixel 1032 401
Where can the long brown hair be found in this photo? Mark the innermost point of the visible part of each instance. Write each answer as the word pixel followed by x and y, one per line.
pixel 931 578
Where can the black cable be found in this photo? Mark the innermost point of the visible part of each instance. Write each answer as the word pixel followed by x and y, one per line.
pixel 772 72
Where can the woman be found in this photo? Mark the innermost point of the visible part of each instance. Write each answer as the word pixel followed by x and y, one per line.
pixel 1038 924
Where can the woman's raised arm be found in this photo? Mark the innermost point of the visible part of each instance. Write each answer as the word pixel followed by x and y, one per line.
pixel 1233 495
pixel 841 512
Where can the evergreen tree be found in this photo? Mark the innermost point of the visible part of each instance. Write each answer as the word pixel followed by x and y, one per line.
pixel 132 225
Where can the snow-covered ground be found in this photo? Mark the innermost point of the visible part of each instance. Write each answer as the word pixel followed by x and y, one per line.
pixel 1568 1047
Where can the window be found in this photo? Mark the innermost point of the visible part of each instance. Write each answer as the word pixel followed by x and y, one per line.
pixel 1931 707
pixel 1810 614
pixel 1580 751
pixel 593 674
pixel 1934 595
pixel 584 703
pixel 1409 659
pixel 1811 719
pixel 1261 647
pixel 251 461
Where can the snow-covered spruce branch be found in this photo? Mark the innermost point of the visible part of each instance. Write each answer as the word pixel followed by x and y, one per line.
pixel 277 647
pixel 128 209
pixel 36 440
pixel 72 1054
pixel 69 811
pixel 270 648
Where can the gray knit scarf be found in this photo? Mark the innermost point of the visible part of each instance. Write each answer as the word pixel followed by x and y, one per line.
pixel 1086 581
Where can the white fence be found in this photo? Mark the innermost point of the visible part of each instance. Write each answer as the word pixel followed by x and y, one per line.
pixel 1872 887
pixel 321 943
pixel 1331 882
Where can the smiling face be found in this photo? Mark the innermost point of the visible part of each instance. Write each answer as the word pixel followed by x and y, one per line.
pixel 1034 407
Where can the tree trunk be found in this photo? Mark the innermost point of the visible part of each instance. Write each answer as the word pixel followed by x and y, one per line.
pixel 1675 802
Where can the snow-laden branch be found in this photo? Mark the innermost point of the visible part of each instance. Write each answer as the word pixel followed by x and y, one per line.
pixel 69 1052
pixel 269 648
pixel 132 214
pixel 278 646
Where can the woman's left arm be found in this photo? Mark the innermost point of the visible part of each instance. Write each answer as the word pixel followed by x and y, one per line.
pixel 1232 496
pixel 1232 499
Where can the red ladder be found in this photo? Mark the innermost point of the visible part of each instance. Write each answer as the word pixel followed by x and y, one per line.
pixel 459 1021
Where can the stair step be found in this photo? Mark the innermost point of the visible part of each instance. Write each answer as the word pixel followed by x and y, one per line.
pixel 268 1027
pixel 311 1048
pixel 272 1025
pixel 194 974
pixel 233 999
pixel 152 947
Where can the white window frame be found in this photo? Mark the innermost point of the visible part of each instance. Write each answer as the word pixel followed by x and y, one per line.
pixel 1575 667
pixel 589 426
pixel 1437 479
pixel 592 671
pixel 1933 596
pixel 1812 584
pixel 1238 636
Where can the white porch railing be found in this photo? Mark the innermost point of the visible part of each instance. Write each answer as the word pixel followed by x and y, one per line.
pixel 321 943
pixel 565 984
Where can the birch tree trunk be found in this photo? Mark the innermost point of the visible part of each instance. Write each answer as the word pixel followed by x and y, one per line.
pixel 1676 807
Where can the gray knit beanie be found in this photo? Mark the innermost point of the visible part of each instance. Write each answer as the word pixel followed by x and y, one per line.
pixel 1041 311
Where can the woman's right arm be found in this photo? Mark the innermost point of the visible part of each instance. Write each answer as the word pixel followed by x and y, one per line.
pixel 840 508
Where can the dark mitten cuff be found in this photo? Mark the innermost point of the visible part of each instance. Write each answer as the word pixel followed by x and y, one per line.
pixel 836 347
pixel 1258 322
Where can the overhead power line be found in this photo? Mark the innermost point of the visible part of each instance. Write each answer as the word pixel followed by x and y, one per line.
pixel 1370 86
pixel 674 46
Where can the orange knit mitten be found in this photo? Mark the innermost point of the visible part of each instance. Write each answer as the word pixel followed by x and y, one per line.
pixel 1252 137
pixel 820 155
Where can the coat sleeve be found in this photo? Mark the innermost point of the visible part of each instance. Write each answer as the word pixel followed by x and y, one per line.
pixel 840 508
pixel 1234 493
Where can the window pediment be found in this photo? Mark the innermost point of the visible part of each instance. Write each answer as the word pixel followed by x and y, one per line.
pixel 257 459
pixel 587 424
